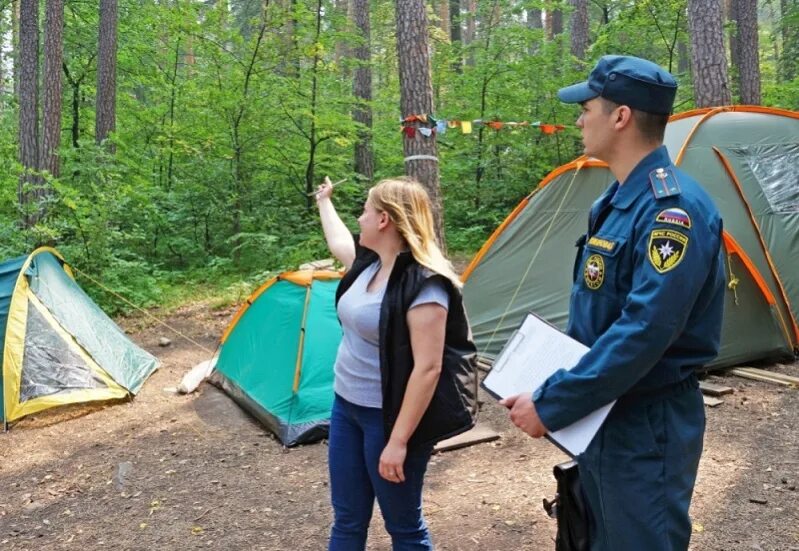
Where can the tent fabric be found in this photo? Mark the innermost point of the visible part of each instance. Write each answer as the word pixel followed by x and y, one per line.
pixel 89 325
pixel 276 358
pixel 745 157
pixel 8 279
pixel 49 357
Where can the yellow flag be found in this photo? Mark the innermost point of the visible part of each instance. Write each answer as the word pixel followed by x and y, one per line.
pixel 466 127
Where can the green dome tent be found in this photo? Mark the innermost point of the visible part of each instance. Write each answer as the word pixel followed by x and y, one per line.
pixel 57 346
pixel 747 158
pixel 276 356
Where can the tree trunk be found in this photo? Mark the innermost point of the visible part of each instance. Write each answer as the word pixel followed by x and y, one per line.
pixel 362 90
pixel 455 35
pixel 554 21
pixel 534 19
pixel 344 8
pixel 729 7
pixel 51 98
pixel 416 98
pixel 579 28
pixel 310 178
pixel 443 15
pixel 683 58
pixel 28 102
pixel 74 85
pixel 470 33
pixel 708 59
pixel 15 45
pixel 534 22
pixel 746 57
pixel 105 122
pixel 789 11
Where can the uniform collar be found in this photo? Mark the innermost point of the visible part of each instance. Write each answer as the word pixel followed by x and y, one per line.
pixel 638 180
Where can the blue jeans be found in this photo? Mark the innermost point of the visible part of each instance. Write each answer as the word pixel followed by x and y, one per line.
pixel 356 442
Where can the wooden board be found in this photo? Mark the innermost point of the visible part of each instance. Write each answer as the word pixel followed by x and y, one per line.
pixel 712 389
pixel 711 402
pixel 770 374
pixel 758 377
pixel 477 435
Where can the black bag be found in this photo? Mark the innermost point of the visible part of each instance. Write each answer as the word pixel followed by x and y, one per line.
pixel 569 508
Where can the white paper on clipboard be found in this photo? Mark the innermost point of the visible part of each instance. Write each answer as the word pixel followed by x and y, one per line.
pixel 535 351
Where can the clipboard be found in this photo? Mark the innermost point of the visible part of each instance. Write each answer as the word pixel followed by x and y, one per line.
pixel 536 350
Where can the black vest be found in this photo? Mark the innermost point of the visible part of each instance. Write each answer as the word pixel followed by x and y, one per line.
pixel 453 408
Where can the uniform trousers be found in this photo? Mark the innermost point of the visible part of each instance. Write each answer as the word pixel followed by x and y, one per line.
pixel 639 471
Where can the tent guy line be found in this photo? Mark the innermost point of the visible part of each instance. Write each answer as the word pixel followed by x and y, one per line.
pixel 142 310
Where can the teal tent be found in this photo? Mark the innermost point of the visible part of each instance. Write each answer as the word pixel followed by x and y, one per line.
pixel 57 347
pixel 276 357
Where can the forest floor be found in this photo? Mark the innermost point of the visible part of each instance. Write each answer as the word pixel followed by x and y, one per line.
pixel 167 471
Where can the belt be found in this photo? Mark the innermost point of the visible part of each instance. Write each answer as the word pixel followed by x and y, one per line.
pixel 651 396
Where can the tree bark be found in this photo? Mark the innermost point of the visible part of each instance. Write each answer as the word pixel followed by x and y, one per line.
pixel 534 22
pixel 416 98
pixel 554 22
pixel 51 97
pixel 362 90
pixel 15 45
pixel 105 122
pixel 28 102
pixel 455 34
pixel 345 10
pixel 443 15
pixel 789 11
pixel 683 58
pixel 747 47
pixel 470 32
pixel 729 7
pixel 708 58
pixel 534 19
pixel 579 28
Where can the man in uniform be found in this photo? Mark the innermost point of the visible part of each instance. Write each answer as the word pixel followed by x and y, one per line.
pixel 647 299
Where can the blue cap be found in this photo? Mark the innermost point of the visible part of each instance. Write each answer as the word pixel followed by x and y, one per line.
pixel 626 80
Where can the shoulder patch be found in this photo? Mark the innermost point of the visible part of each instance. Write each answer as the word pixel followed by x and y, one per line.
pixel 675 216
pixel 666 249
pixel 664 183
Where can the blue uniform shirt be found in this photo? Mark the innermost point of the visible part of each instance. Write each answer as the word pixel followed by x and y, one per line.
pixel 648 292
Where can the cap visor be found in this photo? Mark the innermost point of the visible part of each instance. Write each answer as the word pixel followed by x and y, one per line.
pixel 576 93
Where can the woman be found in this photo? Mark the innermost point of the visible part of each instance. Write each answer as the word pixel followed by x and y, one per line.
pixel 404 374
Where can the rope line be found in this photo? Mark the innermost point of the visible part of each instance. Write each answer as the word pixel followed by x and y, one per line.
pixel 142 310
pixel 533 259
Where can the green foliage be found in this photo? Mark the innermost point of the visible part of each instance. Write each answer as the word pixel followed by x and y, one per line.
pixel 228 111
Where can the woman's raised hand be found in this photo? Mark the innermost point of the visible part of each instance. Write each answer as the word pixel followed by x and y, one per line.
pixel 325 190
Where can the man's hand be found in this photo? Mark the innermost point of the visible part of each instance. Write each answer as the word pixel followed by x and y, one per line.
pixel 524 415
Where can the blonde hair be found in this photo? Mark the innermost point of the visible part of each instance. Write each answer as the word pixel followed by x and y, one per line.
pixel 408 205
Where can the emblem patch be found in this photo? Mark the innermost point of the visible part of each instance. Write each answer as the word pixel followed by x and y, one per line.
pixel 594 271
pixel 675 216
pixel 666 249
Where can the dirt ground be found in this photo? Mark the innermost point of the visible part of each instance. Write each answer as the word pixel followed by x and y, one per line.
pixel 193 472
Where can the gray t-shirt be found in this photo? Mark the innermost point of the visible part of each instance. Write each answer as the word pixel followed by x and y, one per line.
pixel 357 366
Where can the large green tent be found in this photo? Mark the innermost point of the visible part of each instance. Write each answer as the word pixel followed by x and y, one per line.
pixel 57 346
pixel 276 357
pixel 746 157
